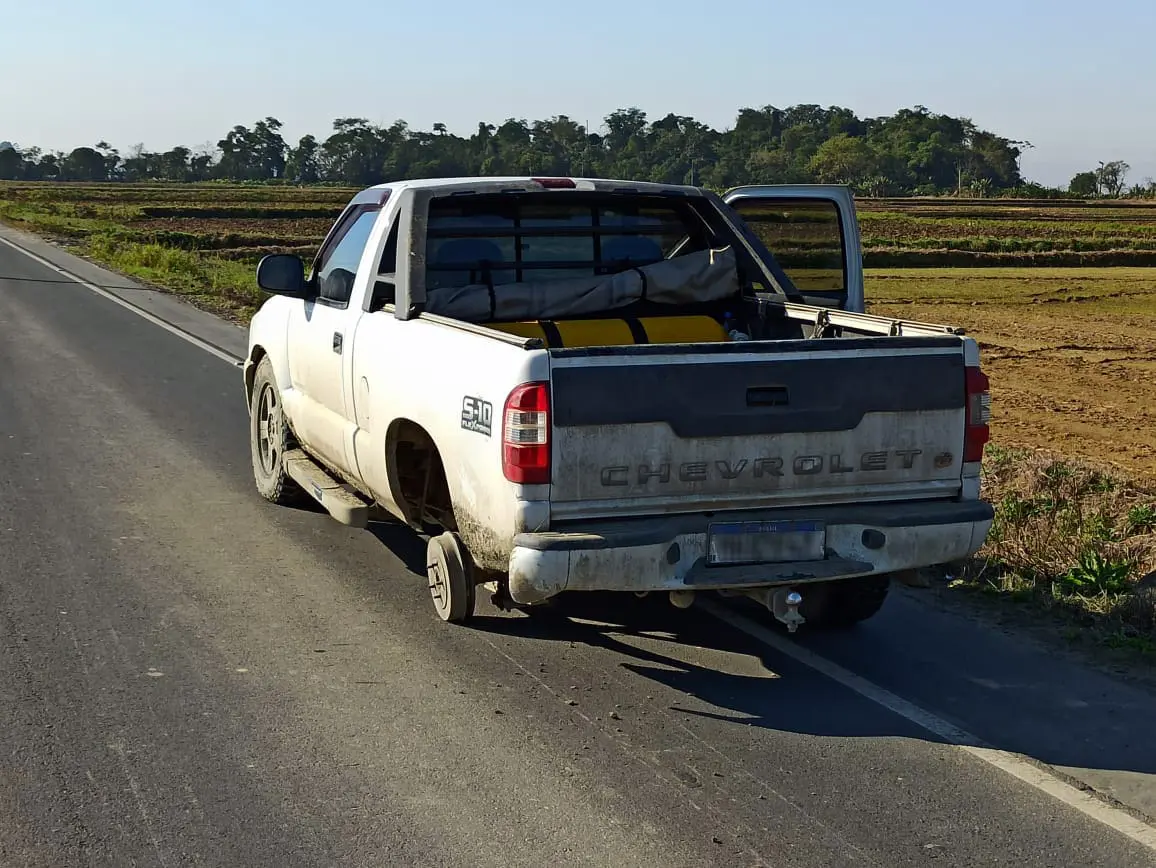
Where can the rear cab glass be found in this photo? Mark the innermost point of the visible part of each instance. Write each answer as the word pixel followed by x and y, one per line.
pixel 511 238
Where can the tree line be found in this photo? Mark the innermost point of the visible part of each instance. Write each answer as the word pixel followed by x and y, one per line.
pixel 913 152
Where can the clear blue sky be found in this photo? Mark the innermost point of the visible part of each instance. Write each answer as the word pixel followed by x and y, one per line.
pixel 1077 79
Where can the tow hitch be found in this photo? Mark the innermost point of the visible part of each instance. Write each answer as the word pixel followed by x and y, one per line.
pixel 784 605
pixel 782 602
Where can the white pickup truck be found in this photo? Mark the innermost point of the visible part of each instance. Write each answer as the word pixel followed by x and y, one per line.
pixel 579 385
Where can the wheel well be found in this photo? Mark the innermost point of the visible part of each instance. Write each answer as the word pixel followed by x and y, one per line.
pixel 251 372
pixel 418 475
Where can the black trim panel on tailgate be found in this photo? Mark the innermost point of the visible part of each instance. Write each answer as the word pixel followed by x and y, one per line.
pixel 713 399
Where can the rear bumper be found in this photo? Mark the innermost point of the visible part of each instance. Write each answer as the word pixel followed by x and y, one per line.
pixel 669 554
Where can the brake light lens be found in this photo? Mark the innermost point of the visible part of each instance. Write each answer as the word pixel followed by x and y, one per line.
pixel 526 435
pixel 556 183
pixel 978 430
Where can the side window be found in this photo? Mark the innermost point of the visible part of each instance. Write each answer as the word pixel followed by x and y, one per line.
pixel 806 238
pixel 385 281
pixel 338 267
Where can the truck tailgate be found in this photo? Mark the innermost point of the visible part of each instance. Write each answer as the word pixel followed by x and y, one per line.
pixel 654 429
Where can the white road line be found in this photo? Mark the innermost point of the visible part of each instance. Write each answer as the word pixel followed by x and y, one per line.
pixel 1029 773
pixel 139 311
pixel 1018 767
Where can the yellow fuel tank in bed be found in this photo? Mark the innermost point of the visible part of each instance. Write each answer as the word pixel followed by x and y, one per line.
pixel 618 332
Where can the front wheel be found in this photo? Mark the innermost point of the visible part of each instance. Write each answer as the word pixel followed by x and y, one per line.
pixel 844 603
pixel 270 439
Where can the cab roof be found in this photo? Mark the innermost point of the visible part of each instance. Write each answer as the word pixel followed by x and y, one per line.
pixel 523 183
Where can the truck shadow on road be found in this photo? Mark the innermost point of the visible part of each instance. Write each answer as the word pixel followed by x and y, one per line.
pixel 744 682
pixel 719 674
pixel 715 674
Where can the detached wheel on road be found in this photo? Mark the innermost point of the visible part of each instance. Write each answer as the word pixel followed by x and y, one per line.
pixel 269 439
pixel 845 603
pixel 451 578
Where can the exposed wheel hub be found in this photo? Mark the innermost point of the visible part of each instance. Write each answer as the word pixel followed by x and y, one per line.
pixel 450 578
pixel 436 574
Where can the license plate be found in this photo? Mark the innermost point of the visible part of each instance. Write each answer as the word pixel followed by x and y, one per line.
pixel 765 542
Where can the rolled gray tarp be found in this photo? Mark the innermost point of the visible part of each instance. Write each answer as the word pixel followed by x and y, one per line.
pixel 709 275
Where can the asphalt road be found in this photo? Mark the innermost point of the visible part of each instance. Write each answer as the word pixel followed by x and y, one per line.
pixel 191 676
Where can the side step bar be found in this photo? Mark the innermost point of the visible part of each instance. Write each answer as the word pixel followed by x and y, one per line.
pixel 345 506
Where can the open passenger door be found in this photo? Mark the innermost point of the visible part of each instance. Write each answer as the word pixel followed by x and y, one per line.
pixel 813 233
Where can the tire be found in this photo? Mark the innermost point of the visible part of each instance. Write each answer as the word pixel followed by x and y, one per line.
pixel 451 578
pixel 843 604
pixel 269 439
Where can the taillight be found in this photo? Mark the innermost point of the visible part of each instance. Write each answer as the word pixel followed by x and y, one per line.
pixel 978 431
pixel 526 435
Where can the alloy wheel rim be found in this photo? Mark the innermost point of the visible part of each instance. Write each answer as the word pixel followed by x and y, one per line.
pixel 267 430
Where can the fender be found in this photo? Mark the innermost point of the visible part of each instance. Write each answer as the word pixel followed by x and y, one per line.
pixel 268 336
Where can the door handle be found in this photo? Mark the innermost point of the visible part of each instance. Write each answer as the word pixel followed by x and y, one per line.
pixel 337 340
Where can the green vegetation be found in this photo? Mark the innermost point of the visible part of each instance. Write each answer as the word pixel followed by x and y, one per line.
pixel 992 232
pixel 201 241
pixel 217 285
pixel 1073 539
pixel 912 152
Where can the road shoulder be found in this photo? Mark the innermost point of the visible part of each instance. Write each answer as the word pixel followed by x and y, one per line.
pixel 172 309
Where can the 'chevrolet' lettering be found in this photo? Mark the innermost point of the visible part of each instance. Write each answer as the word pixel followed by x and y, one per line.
pixel 728 471
pixel 623 475
pixel 647 473
pixel 695 471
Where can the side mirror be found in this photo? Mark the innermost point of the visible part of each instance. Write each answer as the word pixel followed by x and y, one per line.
pixel 282 274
